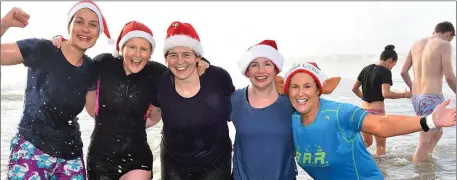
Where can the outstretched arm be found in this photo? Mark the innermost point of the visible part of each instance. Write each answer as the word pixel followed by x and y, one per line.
pixel 404 71
pixel 446 63
pixel 387 93
pixel 394 125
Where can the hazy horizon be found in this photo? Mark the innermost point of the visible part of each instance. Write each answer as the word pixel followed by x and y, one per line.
pixel 303 30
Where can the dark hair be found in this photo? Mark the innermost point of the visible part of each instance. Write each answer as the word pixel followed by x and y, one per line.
pixel 444 27
pixel 389 52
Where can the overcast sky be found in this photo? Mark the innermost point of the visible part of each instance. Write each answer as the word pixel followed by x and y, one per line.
pixel 227 29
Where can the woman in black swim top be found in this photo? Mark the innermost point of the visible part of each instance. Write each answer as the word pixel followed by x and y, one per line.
pixel 376 80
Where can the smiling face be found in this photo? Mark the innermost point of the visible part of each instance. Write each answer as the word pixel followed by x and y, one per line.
pixel 261 72
pixel 84 29
pixel 303 93
pixel 182 62
pixel 136 53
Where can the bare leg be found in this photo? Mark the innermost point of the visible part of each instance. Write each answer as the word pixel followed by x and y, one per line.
pixel 436 136
pixel 367 138
pixel 425 143
pixel 380 145
pixel 137 174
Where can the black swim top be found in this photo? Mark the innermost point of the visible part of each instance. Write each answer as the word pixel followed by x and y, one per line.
pixel 372 77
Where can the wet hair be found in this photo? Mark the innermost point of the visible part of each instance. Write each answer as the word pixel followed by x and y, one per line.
pixel 389 52
pixel 444 27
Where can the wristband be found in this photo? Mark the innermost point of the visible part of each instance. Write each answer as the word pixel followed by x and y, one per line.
pixel 423 122
pixel 430 122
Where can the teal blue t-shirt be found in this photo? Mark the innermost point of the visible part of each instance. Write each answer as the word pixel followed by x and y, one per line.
pixel 332 147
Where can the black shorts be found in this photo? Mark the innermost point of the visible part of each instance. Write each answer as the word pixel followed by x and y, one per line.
pixel 111 169
pixel 107 166
pixel 222 171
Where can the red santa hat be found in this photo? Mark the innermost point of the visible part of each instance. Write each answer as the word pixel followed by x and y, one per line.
pixel 92 6
pixel 310 68
pixel 133 29
pixel 182 34
pixel 267 49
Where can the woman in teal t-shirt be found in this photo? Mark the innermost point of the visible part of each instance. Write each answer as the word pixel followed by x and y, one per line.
pixel 326 133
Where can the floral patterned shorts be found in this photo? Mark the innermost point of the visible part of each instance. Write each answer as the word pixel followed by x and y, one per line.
pixel 29 163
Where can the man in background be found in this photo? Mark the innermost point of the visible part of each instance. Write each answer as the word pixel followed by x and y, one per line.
pixel 431 59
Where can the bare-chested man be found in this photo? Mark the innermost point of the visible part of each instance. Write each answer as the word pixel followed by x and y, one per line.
pixel 431 59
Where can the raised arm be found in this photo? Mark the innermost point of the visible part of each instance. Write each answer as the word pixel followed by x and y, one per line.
pixel 14 18
pixel 446 62
pixel 10 53
pixel 404 71
pixel 394 125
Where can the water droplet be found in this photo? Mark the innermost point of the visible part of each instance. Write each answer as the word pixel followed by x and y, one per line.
pixel 70 121
pixel 120 171
pixel 33 87
pixel 123 160
pixel 131 159
pixel 119 166
pixel 39 110
pixel 33 77
pixel 72 153
pixel 69 77
pixel 118 140
pixel 41 90
pixel 129 155
pixel 44 103
pixel 55 108
pixel 103 105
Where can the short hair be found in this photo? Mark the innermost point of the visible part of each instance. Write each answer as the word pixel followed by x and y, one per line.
pixel 444 27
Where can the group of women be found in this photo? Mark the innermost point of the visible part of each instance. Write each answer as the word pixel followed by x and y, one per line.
pixel 126 92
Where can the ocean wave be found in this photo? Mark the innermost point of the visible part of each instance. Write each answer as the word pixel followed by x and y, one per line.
pixel 12 95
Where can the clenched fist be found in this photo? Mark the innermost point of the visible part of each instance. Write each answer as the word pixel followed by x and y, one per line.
pixel 15 18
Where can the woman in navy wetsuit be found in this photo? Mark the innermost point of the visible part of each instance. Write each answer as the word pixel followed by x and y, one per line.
pixel 60 83
pixel 195 111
